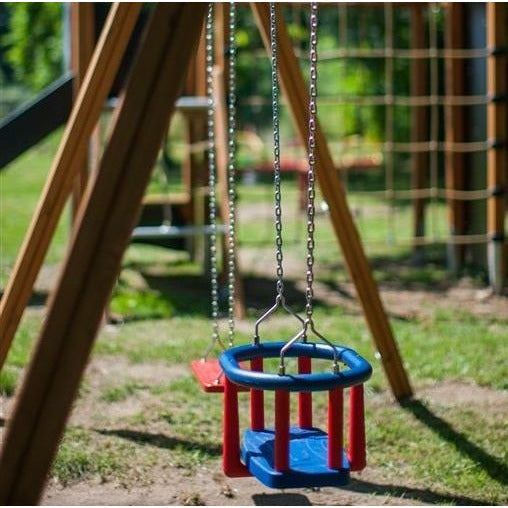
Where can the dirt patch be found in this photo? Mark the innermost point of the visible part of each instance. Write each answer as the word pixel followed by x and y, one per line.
pixel 213 488
pixel 106 372
pixel 456 394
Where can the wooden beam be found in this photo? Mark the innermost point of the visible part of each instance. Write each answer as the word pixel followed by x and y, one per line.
pixel 419 124
pixel 104 225
pixel 296 93
pixel 82 16
pixel 454 129
pixel 68 161
pixel 496 133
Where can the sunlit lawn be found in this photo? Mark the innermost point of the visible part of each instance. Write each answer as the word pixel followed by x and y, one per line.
pixel 458 453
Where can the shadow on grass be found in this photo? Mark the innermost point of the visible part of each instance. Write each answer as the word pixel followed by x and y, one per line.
pixel 426 496
pixel 190 294
pixel 281 500
pixel 162 441
pixel 491 465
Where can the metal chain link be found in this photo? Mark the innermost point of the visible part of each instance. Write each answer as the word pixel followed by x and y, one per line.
pixel 311 192
pixel 231 170
pixel 212 180
pixel 276 151
pixel 280 300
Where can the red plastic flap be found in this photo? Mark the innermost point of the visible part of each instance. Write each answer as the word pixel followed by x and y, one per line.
pixel 210 376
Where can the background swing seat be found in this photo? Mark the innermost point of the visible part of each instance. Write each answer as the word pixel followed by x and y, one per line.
pixel 209 375
pixel 307 457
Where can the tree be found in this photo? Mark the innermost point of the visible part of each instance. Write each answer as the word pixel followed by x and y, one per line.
pixel 33 42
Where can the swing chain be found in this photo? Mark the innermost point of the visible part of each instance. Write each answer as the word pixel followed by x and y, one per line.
pixel 311 192
pixel 280 300
pixel 231 170
pixel 276 152
pixel 212 177
pixel 311 209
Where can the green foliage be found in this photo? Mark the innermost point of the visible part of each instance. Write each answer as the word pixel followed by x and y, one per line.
pixel 34 42
pixel 8 381
pixel 140 304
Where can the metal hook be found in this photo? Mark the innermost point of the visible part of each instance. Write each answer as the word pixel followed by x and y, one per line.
pixel 308 323
pixel 280 301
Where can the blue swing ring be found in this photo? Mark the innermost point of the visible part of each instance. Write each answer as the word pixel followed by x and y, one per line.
pixel 358 372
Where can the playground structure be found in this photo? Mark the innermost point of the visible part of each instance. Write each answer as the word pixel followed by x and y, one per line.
pixel 105 219
pixel 451 87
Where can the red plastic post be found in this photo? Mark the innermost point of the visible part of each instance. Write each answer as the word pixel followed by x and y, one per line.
pixel 304 398
pixel 257 403
pixel 335 427
pixel 281 460
pixel 231 463
pixel 357 455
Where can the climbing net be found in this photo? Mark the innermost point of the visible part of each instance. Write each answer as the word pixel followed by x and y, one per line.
pixel 406 96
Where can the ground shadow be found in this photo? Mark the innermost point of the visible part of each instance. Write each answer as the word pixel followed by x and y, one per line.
pixel 425 496
pixel 162 441
pixel 190 294
pixel 491 465
pixel 281 500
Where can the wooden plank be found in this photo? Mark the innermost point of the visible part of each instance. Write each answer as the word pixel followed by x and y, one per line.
pixel 419 124
pixel 296 93
pixel 35 119
pixel 454 130
pixel 496 132
pixel 104 224
pixel 82 16
pixel 68 160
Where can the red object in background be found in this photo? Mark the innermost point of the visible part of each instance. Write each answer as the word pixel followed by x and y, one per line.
pixel 210 376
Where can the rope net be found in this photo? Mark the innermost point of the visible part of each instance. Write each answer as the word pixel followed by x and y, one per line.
pixel 394 80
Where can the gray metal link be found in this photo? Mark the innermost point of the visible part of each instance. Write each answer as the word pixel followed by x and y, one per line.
pixel 311 178
pixel 280 300
pixel 276 151
pixel 212 180
pixel 308 324
pixel 231 170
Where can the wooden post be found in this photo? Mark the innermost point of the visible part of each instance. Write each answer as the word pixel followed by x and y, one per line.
pixel 68 161
pixel 497 135
pixel 194 165
pixel 296 93
pixel 82 46
pixel 454 130
pixel 419 125
pixel 103 229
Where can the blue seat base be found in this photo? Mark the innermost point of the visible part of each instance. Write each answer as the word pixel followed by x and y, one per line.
pixel 307 462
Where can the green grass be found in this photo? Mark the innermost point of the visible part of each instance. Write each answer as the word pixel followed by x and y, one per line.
pixel 21 185
pixel 428 451
pixel 83 454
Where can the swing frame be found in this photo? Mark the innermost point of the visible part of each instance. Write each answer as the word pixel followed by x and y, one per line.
pixel 107 215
